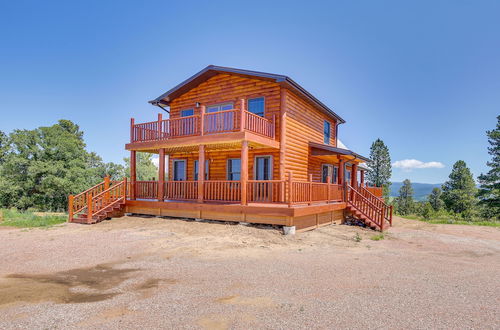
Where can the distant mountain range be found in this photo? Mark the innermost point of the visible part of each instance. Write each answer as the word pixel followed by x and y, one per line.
pixel 420 190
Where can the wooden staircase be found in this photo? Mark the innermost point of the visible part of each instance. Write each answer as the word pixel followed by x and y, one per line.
pixel 367 207
pixel 102 201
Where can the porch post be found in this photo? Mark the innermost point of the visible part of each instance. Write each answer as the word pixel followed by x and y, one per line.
pixel 244 171
pixel 202 120
pixel 106 187
pixel 160 119
pixel 341 172
pixel 362 177
pixel 242 114
pixel 282 137
pixel 201 172
pixel 354 175
pixel 132 173
pixel 161 175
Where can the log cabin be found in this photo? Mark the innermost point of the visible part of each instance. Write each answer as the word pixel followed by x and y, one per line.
pixel 244 146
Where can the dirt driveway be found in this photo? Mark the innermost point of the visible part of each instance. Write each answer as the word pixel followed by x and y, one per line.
pixel 161 273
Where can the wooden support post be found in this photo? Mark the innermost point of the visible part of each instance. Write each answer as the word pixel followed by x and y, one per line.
pixel 362 177
pixel 341 172
pixel 201 172
pixel 244 171
pixel 70 208
pixel 124 189
pixel 161 175
pixel 106 187
pixel 89 208
pixel 290 189
pixel 273 133
pixel 310 189
pixel 132 129
pixel 132 173
pixel 382 220
pixel 242 115
pixel 202 120
pixel 160 120
pixel 354 177
pixel 282 129
pixel 328 189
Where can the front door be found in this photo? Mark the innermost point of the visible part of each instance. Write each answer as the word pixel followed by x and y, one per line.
pixel 263 191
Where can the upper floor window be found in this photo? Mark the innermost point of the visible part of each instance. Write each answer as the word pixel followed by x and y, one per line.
pixel 234 169
pixel 187 112
pixel 256 106
pixel 327 132
pixel 220 107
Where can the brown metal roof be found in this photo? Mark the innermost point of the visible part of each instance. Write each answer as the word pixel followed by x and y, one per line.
pixel 213 70
pixel 337 151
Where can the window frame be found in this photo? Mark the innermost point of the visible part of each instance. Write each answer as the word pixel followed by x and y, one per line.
pixel 227 169
pixel 207 169
pixel 334 177
pixel 271 167
pixel 325 140
pixel 173 168
pixel 219 105
pixel 263 100
pixel 182 112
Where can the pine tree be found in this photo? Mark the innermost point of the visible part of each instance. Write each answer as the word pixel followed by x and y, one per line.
pixel 435 200
pixel 404 201
pixel 380 166
pixel 459 192
pixel 489 193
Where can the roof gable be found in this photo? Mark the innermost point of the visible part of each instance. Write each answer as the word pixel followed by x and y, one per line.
pixel 212 70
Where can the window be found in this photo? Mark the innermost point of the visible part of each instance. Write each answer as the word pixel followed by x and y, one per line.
pixel 263 168
pixel 348 176
pixel 234 169
pixel 326 132
pixel 179 170
pixel 196 170
pixel 335 174
pixel 220 107
pixel 187 112
pixel 326 171
pixel 256 106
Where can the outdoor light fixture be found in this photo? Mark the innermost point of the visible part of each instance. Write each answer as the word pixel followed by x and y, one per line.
pixel 197 104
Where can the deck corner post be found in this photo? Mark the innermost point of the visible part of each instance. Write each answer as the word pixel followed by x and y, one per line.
pixel 201 173
pixel 124 189
pixel 161 175
pixel 132 124
pixel 274 127
pixel 133 154
pixel 202 120
pixel 106 187
pixel 290 189
pixel 244 171
pixel 160 119
pixel 310 189
pixel 70 208
pixel 89 208
pixel 242 115
pixel 328 188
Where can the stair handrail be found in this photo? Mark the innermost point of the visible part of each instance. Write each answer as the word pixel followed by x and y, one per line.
pixel 379 211
pixel 371 195
pixel 388 212
pixel 75 206
pixel 95 208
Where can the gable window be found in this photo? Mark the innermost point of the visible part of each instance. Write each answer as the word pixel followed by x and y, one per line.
pixel 196 171
pixel 256 106
pixel 220 107
pixel 187 112
pixel 234 169
pixel 326 132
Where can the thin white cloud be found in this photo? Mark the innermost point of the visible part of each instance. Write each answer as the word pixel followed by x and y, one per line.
pixel 410 164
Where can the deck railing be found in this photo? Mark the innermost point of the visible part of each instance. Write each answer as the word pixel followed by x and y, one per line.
pixel 266 191
pixel 224 191
pixel 181 190
pixel 209 123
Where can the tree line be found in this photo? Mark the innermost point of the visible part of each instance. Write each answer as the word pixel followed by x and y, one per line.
pixel 39 168
pixel 458 197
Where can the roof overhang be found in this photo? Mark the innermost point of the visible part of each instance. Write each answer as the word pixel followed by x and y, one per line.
pixel 213 70
pixel 318 149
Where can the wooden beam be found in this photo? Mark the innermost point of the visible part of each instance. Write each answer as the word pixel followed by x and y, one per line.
pixel 242 114
pixel 201 172
pixel 244 172
pixel 341 171
pixel 133 177
pixel 161 175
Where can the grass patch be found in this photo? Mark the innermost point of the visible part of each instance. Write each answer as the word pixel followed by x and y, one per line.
pixel 448 220
pixel 20 219
pixel 378 237
pixel 357 238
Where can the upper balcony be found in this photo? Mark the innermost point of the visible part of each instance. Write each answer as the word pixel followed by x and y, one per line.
pixel 226 123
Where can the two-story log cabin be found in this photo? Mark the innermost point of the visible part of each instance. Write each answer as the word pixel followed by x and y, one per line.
pixel 243 146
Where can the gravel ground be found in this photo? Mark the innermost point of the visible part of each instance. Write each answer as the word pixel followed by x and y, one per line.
pixel 163 273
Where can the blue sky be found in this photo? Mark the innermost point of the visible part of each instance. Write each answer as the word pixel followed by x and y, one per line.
pixel 424 76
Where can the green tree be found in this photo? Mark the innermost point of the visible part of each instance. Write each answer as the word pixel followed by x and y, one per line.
pixel 43 166
pixel 489 192
pixel 4 146
pixel 405 199
pixel 425 210
pixel 380 166
pixel 459 192
pixel 435 200
pixel 145 168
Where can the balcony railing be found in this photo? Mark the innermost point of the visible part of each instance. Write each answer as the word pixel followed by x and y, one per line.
pixel 205 124
pixel 257 191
